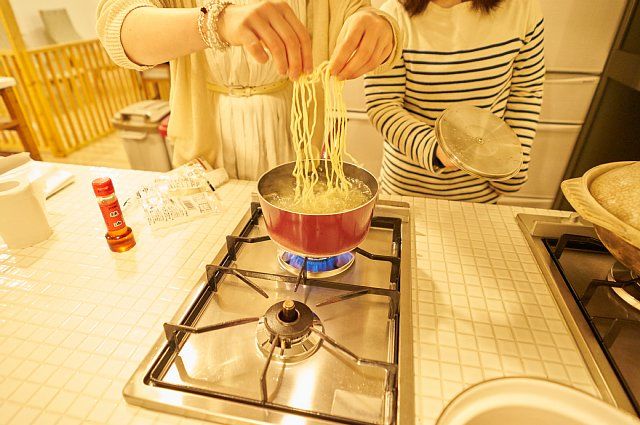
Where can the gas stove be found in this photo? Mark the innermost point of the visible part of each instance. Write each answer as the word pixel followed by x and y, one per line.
pixel 599 299
pixel 270 337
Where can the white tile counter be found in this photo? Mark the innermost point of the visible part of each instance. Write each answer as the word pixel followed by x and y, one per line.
pixel 76 319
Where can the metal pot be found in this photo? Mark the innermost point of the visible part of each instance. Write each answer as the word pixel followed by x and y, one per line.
pixel 316 235
pixel 620 238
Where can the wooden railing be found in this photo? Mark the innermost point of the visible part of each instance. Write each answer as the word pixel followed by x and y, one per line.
pixel 69 93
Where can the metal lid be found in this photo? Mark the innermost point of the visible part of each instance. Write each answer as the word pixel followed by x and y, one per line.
pixel 479 142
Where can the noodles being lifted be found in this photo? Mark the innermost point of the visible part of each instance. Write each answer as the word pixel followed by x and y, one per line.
pixel 320 187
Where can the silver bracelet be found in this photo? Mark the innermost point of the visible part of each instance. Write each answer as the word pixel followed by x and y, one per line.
pixel 208 24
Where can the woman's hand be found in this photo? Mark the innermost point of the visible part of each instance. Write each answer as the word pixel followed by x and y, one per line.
pixel 443 157
pixel 272 26
pixel 363 44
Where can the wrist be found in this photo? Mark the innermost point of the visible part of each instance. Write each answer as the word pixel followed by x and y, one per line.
pixel 442 158
pixel 388 27
pixel 209 24
pixel 225 19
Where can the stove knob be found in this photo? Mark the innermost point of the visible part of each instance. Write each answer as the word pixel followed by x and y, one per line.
pixel 288 313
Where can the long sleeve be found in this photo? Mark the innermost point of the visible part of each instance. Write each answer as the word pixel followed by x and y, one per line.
pixel 451 57
pixel 385 107
pixel 525 99
pixel 111 15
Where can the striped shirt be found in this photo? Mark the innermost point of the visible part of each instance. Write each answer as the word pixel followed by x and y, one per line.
pixel 457 55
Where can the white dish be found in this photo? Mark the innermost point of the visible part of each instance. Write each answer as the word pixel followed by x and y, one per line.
pixel 530 401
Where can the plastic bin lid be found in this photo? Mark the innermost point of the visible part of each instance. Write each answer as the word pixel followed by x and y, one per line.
pixel 148 111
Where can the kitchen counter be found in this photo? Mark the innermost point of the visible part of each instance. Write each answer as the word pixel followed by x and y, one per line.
pixel 76 320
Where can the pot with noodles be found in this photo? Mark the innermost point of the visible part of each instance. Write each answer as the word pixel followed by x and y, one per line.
pixel 318 207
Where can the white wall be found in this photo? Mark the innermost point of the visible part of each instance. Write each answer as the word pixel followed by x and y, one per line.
pixel 82 12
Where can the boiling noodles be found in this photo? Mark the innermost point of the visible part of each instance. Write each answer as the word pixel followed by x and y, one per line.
pixel 320 189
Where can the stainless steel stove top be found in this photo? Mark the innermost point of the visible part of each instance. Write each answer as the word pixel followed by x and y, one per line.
pixel 254 343
pixel 598 305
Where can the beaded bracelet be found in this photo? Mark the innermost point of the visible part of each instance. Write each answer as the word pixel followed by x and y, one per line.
pixel 202 18
pixel 208 24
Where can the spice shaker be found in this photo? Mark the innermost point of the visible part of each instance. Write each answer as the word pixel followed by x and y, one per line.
pixel 119 236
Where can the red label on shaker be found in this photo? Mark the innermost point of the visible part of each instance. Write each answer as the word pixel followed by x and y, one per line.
pixel 112 215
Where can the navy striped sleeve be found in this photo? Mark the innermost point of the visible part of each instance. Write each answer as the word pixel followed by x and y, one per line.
pixel 525 101
pixel 385 95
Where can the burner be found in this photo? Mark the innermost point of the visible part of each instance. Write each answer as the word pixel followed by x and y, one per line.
pixel 317 267
pixel 292 322
pixel 629 293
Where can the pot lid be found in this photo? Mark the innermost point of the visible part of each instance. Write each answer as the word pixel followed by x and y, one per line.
pixel 479 142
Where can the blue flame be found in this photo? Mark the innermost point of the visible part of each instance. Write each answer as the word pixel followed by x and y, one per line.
pixel 316 265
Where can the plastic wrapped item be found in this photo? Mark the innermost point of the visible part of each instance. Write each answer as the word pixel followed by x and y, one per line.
pixel 183 194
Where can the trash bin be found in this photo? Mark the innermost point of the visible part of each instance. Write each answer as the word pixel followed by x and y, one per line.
pixel 162 129
pixel 137 126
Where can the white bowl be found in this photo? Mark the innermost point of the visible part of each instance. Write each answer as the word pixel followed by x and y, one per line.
pixel 530 401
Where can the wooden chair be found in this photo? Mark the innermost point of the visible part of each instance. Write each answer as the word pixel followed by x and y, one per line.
pixel 17 120
pixel 4 40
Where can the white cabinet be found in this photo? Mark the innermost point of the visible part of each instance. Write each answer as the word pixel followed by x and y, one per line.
pixel 364 142
pixel 567 97
pixel 579 33
pixel 549 158
pixel 578 37
pixel 354 95
pixel 566 101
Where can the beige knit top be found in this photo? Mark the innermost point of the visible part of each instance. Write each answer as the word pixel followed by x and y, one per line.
pixel 191 128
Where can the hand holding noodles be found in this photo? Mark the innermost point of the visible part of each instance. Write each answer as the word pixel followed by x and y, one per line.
pixel 321 187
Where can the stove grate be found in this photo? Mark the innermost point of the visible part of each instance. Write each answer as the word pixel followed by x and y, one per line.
pixel 606 338
pixel 177 334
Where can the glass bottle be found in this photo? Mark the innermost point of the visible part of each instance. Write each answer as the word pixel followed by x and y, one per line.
pixel 119 236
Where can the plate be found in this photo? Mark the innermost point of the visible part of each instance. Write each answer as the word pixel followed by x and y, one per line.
pixel 530 401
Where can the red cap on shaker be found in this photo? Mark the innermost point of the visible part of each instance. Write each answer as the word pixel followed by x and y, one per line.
pixel 102 186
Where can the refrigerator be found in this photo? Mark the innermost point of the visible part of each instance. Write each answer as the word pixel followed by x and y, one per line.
pixel 611 131
pixel 578 37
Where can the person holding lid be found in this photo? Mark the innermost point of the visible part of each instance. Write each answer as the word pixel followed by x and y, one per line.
pixel 231 66
pixel 486 53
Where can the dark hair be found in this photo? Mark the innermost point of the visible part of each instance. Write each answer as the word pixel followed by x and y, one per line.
pixel 416 7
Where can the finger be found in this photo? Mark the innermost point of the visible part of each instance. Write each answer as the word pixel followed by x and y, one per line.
pixel 363 54
pixel 252 44
pixel 290 39
pixel 303 36
pixel 345 49
pixel 272 40
pixel 382 52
